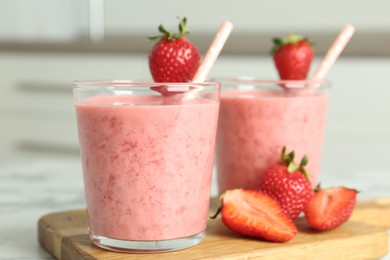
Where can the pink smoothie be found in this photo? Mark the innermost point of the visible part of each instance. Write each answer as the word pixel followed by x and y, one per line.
pixel 254 125
pixel 147 168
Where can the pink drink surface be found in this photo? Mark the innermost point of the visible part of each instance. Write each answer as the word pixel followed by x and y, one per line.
pixel 147 168
pixel 255 125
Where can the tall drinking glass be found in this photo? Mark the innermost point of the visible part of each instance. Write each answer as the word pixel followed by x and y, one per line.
pixel 259 117
pixel 147 156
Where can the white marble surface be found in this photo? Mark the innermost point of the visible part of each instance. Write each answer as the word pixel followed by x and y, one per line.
pixel 31 189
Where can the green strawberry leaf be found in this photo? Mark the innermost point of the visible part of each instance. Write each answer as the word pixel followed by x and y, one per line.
pixel 171 36
pixel 292 167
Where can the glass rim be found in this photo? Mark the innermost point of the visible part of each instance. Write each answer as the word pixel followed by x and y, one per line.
pixel 128 83
pixel 289 84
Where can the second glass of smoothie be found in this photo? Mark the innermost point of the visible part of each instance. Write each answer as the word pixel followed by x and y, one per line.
pixel 258 117
pixel 147 153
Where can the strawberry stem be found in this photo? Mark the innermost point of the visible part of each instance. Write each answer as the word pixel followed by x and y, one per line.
pixel 317 188
pixel 182 26
pixel 219 209
pixel 288 160
pixel 171 36
pixel 292 167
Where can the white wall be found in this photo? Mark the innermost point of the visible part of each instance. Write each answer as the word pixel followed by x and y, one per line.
pixel 247 15
pixel 60 20
pixel 49 20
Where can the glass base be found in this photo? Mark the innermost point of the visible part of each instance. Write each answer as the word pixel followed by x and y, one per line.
pixel 157 246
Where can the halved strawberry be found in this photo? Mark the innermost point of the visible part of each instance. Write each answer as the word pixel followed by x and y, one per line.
pixel 256 214
pixel 331 207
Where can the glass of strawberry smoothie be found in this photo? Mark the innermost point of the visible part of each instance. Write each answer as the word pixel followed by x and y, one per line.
pixel 147 154
pixel 258 117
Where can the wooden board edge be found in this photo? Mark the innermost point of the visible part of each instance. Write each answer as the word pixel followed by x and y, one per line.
pixel 48 237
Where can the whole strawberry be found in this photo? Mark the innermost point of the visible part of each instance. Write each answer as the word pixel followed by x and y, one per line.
pixel 173 58
pixel 292 57
pixel 288 183
pixel 331 207
pixel 255 214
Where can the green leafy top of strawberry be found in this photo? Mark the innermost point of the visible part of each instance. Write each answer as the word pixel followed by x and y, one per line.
pixel 290 39
pixel 171 36
pixel 288 160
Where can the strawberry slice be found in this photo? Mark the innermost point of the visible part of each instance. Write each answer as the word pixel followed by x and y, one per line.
pixel 331 207
pixel 256 214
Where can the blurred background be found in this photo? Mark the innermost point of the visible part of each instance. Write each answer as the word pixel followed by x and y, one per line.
pixel 47 44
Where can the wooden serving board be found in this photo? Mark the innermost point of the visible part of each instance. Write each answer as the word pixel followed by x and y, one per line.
pixel 364 236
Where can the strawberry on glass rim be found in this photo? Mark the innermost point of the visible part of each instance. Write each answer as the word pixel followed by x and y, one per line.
pixel 292 56
pixel 173 58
